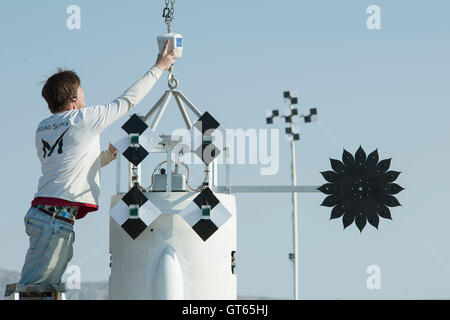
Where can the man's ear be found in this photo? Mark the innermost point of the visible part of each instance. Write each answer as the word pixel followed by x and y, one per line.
pixel 74 99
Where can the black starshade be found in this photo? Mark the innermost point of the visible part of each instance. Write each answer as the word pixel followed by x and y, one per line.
pixel 360 188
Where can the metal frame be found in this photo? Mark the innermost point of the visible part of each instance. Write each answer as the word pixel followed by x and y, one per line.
pixel 157 111
pixel 167 146
pixel 265 189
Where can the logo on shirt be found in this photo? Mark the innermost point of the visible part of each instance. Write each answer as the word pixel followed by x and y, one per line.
pixel 50 149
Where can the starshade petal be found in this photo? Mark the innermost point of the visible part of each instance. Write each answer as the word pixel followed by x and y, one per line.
pixel 373 219
pixel 360 156
pixel 391 201
pixel 383 166
pixel 348 219
pixel 328 188
pixel 391 176
pixel 330 176
pixel 330 201
pixel 384 212
pixel 337 211
pixel 372 158
pixel 360 221
pixel 393 188
pixel 347 158
pixel 337 166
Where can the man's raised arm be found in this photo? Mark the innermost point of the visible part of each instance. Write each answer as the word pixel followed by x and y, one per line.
pixel 100 117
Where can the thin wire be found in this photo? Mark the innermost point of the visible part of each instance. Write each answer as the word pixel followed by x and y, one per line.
pixel 425 242
pixel 81 261
pixel 329 134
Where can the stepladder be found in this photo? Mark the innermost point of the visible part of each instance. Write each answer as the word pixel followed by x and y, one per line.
pixel 17 291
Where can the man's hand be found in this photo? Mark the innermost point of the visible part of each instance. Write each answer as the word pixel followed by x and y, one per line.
pixel 112 150
pixel 165 60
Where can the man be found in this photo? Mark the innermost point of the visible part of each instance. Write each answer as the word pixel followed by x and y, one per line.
pixel 68 146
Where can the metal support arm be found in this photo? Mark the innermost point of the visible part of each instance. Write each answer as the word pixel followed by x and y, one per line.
pixel 265 189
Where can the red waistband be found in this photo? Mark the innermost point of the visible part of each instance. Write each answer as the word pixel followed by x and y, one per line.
pixel 84 209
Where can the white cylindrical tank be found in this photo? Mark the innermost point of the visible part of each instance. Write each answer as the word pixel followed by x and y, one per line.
pixel 169 260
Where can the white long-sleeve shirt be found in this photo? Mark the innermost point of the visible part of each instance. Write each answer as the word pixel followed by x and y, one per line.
pixel 68 145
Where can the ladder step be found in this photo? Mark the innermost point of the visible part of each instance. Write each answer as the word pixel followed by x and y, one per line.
pixel 52 291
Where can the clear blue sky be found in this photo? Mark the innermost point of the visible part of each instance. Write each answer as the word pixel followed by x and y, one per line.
pixel 385 89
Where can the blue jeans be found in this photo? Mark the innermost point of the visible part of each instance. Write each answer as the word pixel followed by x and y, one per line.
pixel 51 248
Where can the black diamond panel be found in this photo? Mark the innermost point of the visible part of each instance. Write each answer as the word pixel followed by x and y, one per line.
pixel 206 197
pixel 205 228
pixel 209 155
pixel 206 122
pixel 134 227
pixel 135 155
pixel 134 125
pixel 134 196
